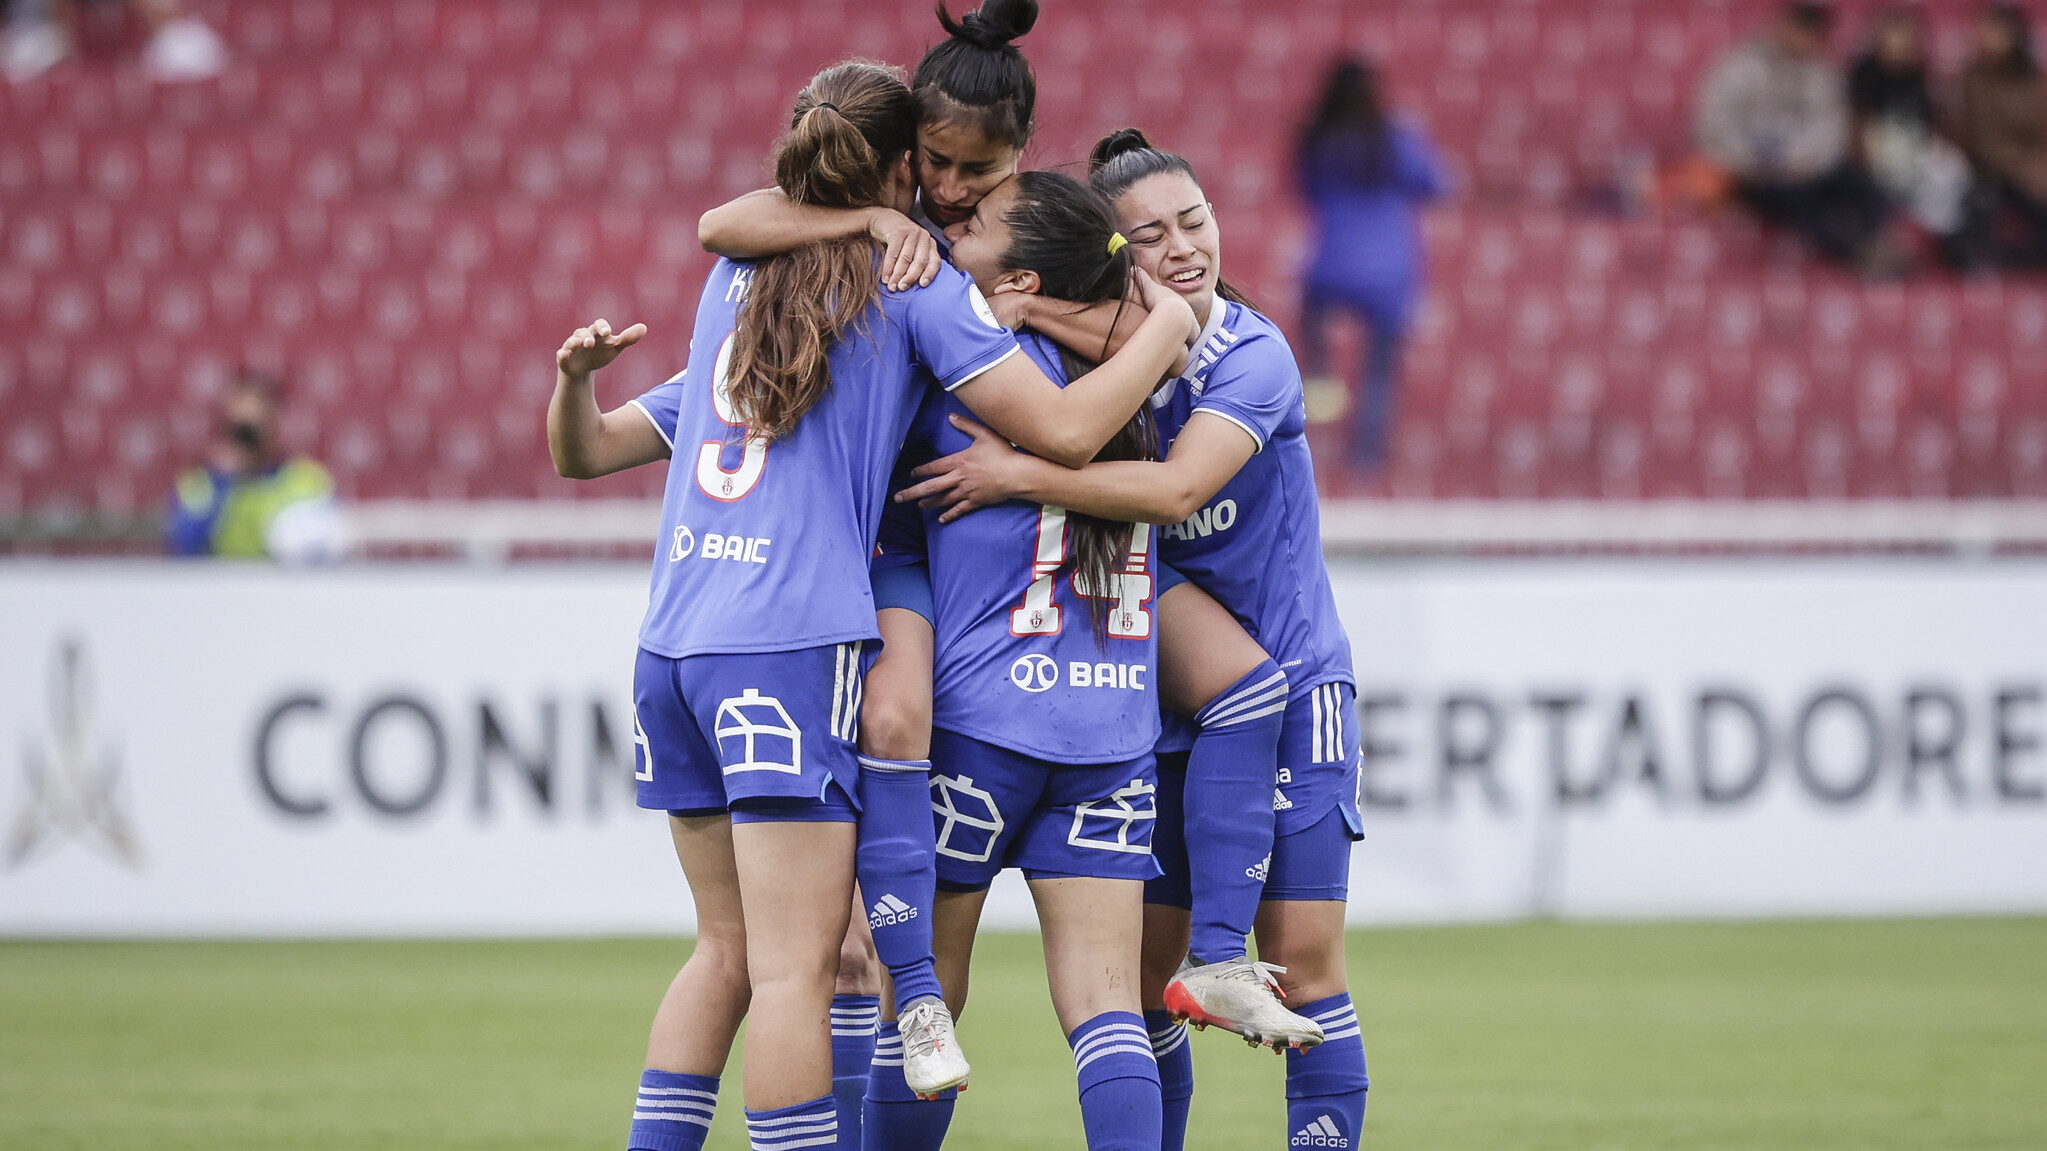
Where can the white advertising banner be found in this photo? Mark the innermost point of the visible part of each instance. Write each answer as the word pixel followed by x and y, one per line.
pixel 419 751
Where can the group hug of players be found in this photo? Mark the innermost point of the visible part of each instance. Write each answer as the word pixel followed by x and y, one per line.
pixel 1015 427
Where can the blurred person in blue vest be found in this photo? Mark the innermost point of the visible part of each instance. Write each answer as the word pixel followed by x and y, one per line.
pixel 1365 176
pixel 250 500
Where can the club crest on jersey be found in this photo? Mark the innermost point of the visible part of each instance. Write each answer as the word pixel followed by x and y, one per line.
pixel 1121 822
pixel 756 733
pixel 1034 673
pixel 982 309
pixel 969 821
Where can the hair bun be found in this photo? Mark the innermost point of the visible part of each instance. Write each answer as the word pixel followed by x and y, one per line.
pixel 994 24
pixel 1116 144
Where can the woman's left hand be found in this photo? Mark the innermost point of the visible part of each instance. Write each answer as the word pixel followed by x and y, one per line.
pixel 985 473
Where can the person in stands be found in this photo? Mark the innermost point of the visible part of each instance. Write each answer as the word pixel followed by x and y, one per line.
pixel 1365 176
pixel 1774 117
pixel 2001 120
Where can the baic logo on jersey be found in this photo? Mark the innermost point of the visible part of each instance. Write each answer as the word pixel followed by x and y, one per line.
pixel 1034 673
pixel 738 549
pixel 889 911
pixel 1322 1132
pixel 1220 516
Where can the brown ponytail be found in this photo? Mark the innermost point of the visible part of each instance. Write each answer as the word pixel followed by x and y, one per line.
pixel 851 124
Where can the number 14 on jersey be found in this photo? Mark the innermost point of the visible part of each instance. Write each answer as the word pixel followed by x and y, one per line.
pixel 1129 590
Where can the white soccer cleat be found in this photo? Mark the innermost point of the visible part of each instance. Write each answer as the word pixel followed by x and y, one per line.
pixel 932 1059
pixel 1241 996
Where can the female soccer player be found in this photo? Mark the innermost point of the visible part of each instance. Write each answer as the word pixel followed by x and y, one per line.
pixel 976 98
pixel 1237 489
pixel 1044 712
pixel 803 377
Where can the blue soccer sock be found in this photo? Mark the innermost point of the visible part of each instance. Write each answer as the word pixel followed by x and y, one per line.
pixel 1119 1082
pixel 672 1111
pixel 897 862
pixel 1326 1084
pixel 894 1119
pixel 854 1018
pixel 791 1128
pixel 1176 1076
pixel 1229 823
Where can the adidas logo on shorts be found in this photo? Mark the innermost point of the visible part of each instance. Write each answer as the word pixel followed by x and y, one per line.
pixel 889 911
pixel 1321 1133
pixel 1260 869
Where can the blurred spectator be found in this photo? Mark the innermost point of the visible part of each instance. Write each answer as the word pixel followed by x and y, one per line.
pixel 249 501
pixel 1364 176
pixel 42 33
pixel 1774 115
pixel 2002 122
pixel 1895 129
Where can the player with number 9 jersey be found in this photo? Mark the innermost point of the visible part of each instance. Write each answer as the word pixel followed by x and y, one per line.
pixel 763 547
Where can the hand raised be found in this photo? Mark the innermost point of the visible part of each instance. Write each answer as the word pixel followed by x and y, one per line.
pixel 588 349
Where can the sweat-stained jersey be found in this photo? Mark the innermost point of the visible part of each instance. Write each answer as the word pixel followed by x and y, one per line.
pixel 1017 663
pixel 764 547
pixel 1256 546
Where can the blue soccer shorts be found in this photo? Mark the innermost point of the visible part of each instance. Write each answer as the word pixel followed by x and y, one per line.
pixel 1314 799
pixel 1318 760
pixel 1309 864
pixel 767 736
pixel 997 808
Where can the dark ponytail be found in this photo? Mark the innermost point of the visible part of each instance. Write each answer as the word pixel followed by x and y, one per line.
pixel 1063 230
pixel 1348 133
pixel 1122 158
pixel 976 77
pixel 851 124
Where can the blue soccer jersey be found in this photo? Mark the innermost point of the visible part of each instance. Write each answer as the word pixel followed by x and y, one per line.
pixel 1257 544
pixel 1018 661
pixel 765 547
pixel 662 405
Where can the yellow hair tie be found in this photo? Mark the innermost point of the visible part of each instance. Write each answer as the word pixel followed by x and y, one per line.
pixel 1116 242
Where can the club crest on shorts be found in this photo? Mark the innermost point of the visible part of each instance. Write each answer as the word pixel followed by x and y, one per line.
pixel 753 730
pixel 969 822
pixel 1113 823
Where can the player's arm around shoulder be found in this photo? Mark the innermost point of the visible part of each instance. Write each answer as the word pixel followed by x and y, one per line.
pixel 768 223
pixel 1204 457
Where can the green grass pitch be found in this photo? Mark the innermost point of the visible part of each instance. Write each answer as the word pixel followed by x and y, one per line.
pixel 1914 1034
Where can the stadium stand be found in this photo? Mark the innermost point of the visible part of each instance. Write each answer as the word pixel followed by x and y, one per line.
pixel 401 207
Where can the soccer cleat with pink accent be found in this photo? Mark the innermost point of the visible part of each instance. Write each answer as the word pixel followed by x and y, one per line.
pixel 1241 996
pixel 932 1059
